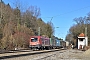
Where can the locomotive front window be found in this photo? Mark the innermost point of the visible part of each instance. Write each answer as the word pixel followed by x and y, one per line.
pixel 34 39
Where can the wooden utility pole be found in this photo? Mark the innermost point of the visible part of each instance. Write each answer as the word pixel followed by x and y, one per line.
pixel 86 26
pixel 39 31
pixel 86 31
pixel 1 11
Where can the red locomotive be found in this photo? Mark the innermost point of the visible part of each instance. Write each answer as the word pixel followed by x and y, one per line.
pixel 39 42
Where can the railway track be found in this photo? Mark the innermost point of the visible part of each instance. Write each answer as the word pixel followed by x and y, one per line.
pixel 25 53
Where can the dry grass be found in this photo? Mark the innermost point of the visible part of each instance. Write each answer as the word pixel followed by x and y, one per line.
pixel 87 53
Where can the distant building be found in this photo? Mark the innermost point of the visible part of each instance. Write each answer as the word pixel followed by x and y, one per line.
pixel 82 41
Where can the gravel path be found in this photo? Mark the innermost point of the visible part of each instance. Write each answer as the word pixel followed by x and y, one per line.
pixel 58 55
pixel 66 55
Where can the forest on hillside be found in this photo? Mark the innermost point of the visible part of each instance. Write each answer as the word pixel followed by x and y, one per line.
pixel 16 26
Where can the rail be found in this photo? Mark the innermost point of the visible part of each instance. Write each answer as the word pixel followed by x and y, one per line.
pixel 5 56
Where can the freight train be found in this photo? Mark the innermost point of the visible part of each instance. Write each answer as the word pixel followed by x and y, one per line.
pixel 40 42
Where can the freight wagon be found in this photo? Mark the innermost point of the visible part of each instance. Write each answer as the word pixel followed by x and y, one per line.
pixel 56 43
pixel 64 44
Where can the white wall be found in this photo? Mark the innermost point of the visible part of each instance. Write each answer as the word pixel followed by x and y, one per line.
pixel 86 41
pixel 83 43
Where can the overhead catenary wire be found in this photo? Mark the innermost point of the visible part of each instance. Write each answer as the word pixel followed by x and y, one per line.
pixel 67 12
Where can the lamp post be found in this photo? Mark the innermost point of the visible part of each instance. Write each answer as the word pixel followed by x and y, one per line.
pixel 51 38
pixel 54 37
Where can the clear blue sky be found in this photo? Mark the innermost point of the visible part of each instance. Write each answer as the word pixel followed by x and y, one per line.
pixel 62 11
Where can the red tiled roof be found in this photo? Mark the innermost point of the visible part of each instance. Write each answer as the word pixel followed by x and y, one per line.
pixel 82 35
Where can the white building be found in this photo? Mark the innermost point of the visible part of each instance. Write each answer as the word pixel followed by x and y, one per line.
pixel 82 41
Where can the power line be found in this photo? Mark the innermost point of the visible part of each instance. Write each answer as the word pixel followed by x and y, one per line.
pixel 73 11
pixel 69 12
